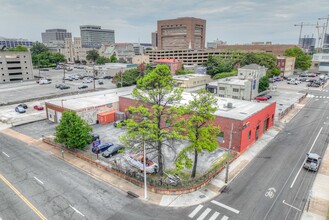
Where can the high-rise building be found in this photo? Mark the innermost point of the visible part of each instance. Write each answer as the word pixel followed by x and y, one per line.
pixel 55 36
pixel 13 42
pixel 15 66
pixel 155 39
pixel 181 33
pixel 93 36
pixel 307 43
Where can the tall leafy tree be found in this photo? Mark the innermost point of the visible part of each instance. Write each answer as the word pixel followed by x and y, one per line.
pixel 303 61
pixel 263 84
pixel 158 101
pixel 113 59
pixel 218 64
pixel 73 131
pixel 262 59
pixel 200 131
pixel 38 48
pixel 103 60
pixel 92 55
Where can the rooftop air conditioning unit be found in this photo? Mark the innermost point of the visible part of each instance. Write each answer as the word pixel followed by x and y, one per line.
pixel 229 105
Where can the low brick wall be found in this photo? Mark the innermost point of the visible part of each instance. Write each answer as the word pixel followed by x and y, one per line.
pixel 154 189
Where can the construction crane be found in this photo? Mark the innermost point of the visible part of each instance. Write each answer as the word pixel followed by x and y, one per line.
pixel 301 28
pixel 325 29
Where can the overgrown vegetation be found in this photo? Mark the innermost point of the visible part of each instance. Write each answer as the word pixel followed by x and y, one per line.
pixel 303 61
pixel 224 75
pixel 42 57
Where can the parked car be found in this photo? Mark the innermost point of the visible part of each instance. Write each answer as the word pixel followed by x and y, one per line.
pixel 261 98
pixel 88 80
pixel 20 109
pixel 23 106
pixel 58 85
pixel 101 148
pixel 312 162
pixel 312 75
pixel 271 80
pixel 121 121
pixel 107 77
pixel 137 161
pixel 114 149
pixel 301 79
pixel 311 84
pixel 63 86
pixel 319 82
pixel 100 82
pixel 38 107
pixel 83 86
pixel 44 81
pixel 277 79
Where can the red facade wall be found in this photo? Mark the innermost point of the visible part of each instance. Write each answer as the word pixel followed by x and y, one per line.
pixel 240 135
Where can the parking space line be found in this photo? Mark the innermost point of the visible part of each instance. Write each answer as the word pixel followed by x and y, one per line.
pixel 77 211
pixel 38 180
pixel 225 207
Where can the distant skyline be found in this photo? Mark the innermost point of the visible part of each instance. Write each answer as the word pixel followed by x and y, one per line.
pixel 231 21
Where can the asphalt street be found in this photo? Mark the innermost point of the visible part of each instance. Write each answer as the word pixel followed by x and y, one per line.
pixel 57 190
pixel 274 185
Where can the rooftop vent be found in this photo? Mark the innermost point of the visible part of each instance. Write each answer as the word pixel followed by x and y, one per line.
pixel 229 105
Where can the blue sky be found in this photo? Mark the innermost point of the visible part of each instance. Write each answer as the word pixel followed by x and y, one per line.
pixel 233 21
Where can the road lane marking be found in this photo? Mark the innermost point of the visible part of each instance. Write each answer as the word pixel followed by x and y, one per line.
pixel 38 180
pixel 5 154
pixel 77 211
pixel 204 214
pixel 195 211
pixel 293 182
pixel 27 202
pixel 213 217
pixel 291 206
pixel 224 218
pixel 225 207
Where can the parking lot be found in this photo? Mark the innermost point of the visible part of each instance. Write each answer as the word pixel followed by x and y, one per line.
pixel 14 92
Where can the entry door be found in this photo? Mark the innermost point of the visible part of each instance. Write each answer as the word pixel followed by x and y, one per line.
pixel 265 125
pixel 257 131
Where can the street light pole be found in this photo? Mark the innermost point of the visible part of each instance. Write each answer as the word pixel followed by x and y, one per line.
pixel 145 182
pixel 229 151
pixel 94 75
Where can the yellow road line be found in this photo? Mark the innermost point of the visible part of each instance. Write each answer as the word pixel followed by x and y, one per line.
pixel 23 198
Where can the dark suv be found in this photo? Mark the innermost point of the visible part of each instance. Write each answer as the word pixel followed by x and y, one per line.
pixel 112 150
pixel 101 148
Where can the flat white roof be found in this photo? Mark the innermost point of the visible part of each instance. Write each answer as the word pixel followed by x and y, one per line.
pixel 229 81
pixel 188 76
pixel 240 110
pixel 77 103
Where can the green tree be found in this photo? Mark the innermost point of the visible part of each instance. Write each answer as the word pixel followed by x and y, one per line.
pixel 127 78
pixel 19 48
pixel 46 59
pixel 263 84
pixel 217 64
pixel 262 59
pixel 200 130
pixel 38 48
pixel 113 59
pixel 273 72
pixel 103 60
pixel 224 74
pixel 184 72
pixel 92 55
pixel 73 131
pixel 303 61
pixel 158 100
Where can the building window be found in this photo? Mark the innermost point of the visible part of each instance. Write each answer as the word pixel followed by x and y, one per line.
pixel 235 90
pixel 235 97
pixel 221 88
pixel 249 135
pixel 220 95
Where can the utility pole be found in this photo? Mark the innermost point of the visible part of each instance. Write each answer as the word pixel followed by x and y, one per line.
pixel 229 151
pixel 145 181
pixel 94 76
pixel 325 29
pixel 64 72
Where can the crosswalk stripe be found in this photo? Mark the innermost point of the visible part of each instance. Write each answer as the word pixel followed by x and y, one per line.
pixel 204 214
pixel 225 206
pixel 195 211
pixel 224 218
pixel 214 216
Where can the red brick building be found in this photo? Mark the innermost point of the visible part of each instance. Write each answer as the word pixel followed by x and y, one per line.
pixel 172 64
pixel 250 119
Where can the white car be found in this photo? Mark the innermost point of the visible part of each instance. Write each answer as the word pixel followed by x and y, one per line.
pixel 138 162
pixel 294 82
pixel 87 80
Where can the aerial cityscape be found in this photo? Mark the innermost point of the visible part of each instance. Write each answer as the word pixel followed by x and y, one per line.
pixel 210 110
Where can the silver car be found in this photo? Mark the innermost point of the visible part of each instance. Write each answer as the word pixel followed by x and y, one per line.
pixel 312 162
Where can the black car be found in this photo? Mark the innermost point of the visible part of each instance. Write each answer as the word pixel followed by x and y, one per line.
pixel 63 86
pixel 114 149
pixel 83 86
pixel 107 77
pixel 101 148
pixel 23 106
pixel 311 84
